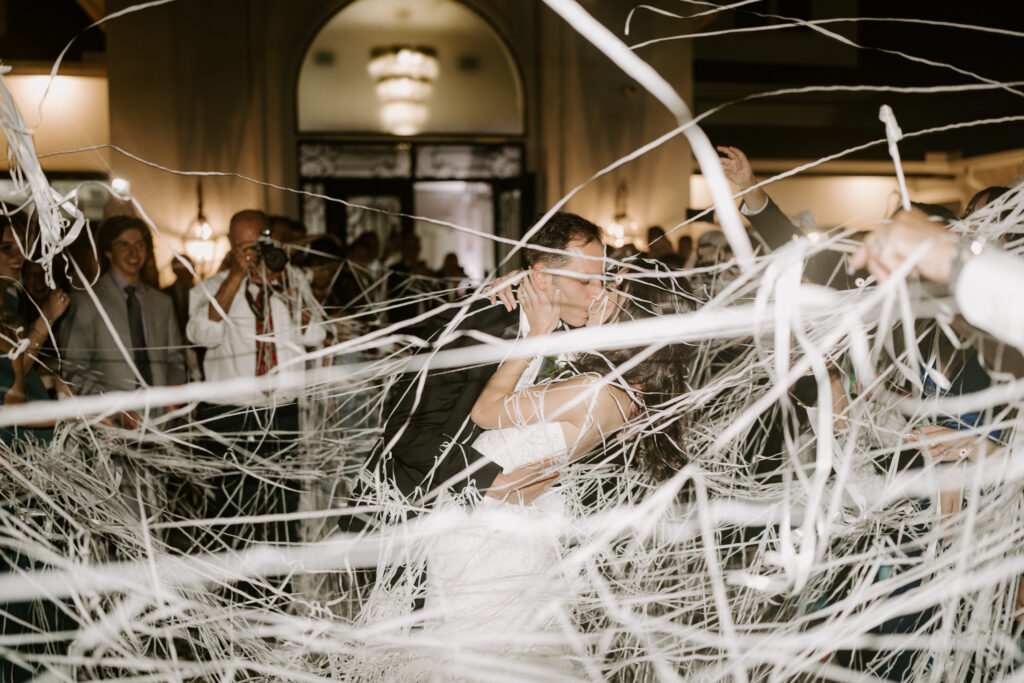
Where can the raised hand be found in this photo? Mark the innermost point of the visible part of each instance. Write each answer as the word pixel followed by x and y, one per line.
pixel 737 167
pixel 240 260
pixel 501 290
pixel 55 305
pixel 891 244
pixel 542 310
pixel 741 174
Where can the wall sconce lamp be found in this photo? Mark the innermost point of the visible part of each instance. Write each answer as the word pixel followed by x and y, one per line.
pixel 200 244
pixel 622 229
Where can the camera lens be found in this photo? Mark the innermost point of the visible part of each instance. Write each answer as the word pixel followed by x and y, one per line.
pixel 273 257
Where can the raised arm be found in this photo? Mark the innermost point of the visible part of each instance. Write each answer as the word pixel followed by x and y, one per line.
pixel 764 215
pixel 53 307
pixel 741 174
pixel 201 330
pixel 981 277
pixel 491 410
pixel 581 401
pixel 240 260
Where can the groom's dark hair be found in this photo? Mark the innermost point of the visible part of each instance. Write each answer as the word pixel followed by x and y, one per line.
pixel 560 232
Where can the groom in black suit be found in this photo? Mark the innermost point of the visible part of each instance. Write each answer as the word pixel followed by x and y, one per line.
pixel 428 435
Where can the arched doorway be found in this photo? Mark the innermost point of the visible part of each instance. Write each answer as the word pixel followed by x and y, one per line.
pixel 458 155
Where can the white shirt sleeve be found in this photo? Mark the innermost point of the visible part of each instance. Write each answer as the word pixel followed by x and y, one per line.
pixel 989 293
pixel 747 211
pixel 200 329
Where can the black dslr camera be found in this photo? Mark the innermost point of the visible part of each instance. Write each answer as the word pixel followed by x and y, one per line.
pixel 272 256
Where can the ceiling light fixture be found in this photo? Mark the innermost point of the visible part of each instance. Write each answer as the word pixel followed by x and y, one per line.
pixel 404 76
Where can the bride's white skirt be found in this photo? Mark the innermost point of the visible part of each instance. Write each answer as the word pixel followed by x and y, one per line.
pixel 497 594
pixel 497 598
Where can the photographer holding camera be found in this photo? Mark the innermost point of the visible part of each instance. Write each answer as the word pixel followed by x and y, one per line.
pixel 254 321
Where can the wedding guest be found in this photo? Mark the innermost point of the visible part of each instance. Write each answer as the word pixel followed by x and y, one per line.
pixel 684 248
pixel 981 276
pixel 20 381
pixel 182 267
pixel 452 277
pixel 252 324
pixel 141 317
pixel 658 245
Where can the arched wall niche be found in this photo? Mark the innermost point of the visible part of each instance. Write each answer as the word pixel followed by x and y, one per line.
pixel 479 90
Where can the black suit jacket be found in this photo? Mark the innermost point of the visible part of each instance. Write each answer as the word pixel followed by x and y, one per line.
pixel 438 420
pixel 776 229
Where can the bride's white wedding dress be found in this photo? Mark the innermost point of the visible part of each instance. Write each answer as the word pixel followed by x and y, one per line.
pixel 495 587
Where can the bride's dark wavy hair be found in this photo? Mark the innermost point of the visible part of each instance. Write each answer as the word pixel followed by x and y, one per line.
pixel 648 292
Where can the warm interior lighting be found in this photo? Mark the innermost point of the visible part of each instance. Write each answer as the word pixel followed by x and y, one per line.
pixel 402 88
pixel 623 228
pixel 404 118
pixel 404 61
pixel 200 245
pixel 75 114
pixel 121 187
pixel 404 77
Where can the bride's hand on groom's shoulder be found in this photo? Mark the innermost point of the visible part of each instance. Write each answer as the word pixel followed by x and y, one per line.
pixel 501 289
pixel 542 308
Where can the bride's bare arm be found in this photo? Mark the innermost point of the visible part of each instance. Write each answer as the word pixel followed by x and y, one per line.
pixel 542 314
pixel 580 400
pixel 489 406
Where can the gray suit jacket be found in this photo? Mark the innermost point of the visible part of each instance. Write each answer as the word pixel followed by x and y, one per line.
pixel 91 361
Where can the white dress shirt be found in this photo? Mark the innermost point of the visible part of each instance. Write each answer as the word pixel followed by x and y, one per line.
pixel 532 370
pixel 536 364
pixel 987 292
pixel 230 342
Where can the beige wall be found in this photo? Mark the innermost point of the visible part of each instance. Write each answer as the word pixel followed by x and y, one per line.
pixel 187 91
pixel 859 194
pixel 593 114
pixel 75 114
pixel 195 86
pixel 201 90
pixel 855 201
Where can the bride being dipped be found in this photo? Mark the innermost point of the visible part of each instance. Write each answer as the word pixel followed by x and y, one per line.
pixel 496 581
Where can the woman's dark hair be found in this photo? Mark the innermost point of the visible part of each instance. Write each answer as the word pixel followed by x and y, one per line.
pixel 936 211
pixel 646 293
pixel 18 221
pixel 984 197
